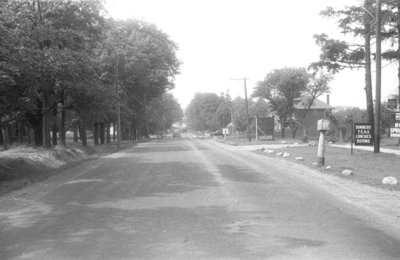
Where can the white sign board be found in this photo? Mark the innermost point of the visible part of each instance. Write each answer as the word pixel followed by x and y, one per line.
pixel 394 132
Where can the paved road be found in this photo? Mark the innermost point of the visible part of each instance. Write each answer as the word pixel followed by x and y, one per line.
pixel 184 199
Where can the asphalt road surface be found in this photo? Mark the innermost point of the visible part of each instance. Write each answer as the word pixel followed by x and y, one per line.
pixel 185 199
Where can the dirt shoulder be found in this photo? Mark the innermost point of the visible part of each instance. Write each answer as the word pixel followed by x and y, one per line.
pixel 365 196
pixel 21 165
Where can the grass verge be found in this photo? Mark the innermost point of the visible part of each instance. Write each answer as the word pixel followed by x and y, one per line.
pixel 367 167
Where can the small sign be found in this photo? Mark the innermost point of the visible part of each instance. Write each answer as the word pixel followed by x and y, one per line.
pixel 265 128
pixel 363 134
pixel 395 131
pixel 225 131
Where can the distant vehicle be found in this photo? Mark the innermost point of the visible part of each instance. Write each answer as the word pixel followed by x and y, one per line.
pixel 176 135
pixel 216 133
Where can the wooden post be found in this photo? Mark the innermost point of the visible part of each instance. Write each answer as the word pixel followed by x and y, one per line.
pixel 323 126
pixel 256 129
pixel 378 78
pixel 321 148
pixel 352 138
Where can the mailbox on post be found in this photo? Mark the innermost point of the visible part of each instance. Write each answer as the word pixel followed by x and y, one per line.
pixel 323 126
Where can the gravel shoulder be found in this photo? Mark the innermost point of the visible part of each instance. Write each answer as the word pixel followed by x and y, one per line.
pixel 378 206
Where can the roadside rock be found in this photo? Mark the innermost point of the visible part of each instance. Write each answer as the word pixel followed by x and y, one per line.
pixel 328 167
pixel 299 159
pixel 286 155
pixel 312 144
pixel 279 154
pixel 347 172
pixel 314 164
pixel 268 151
pixel 390 180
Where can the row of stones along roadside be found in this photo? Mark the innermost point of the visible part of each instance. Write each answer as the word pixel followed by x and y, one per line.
pixel 388 180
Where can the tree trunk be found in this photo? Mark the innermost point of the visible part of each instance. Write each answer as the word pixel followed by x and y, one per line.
pixel 398 51
pixel 146 118
pixel 1 138
pixel 282 121
pixel 294 132
pixel 368 74
pixel 96 133
pixel 102 132
pixel 46 120
pixel 38 133
pixel 76 128
pixel 54 128
pixel 54 133
pixel 6 141
pixel 282 132
pixel 62 125
pixel 82 133
pixel 29 134
pixel 114 132
pixel 108 133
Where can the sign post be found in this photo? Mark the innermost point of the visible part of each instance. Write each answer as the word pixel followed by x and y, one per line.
pixel 323 126
pixel 352 138
pixel 225 132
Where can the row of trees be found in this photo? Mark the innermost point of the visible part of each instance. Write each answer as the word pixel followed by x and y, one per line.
pixel 275 95
pixel 65 65
pixel 209 112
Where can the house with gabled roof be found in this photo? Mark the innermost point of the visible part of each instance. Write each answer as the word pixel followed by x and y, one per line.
pixel 317 111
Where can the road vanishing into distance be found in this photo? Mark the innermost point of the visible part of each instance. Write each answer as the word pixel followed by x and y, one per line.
pixel 185 199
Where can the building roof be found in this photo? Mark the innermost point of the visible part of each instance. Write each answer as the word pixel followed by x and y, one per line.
pixel 317 104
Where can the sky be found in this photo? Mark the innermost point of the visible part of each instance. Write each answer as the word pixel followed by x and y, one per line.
pixel 223 40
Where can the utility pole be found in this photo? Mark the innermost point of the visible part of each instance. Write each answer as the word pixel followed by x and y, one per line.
pixel 247 108
pixel 118 104
pixel 378 79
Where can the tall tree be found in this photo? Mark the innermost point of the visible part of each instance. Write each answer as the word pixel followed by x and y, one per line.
pixel 201 112
pixel 52 36
pixel 224 111
pixel 164 111
pixel 318 84
pixel 147 64
pixel 281 87
pixel 337 55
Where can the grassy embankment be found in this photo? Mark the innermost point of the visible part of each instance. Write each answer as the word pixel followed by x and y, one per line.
pixel 21 165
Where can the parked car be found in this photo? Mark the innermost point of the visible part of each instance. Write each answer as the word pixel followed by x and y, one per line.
pixel 216 133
